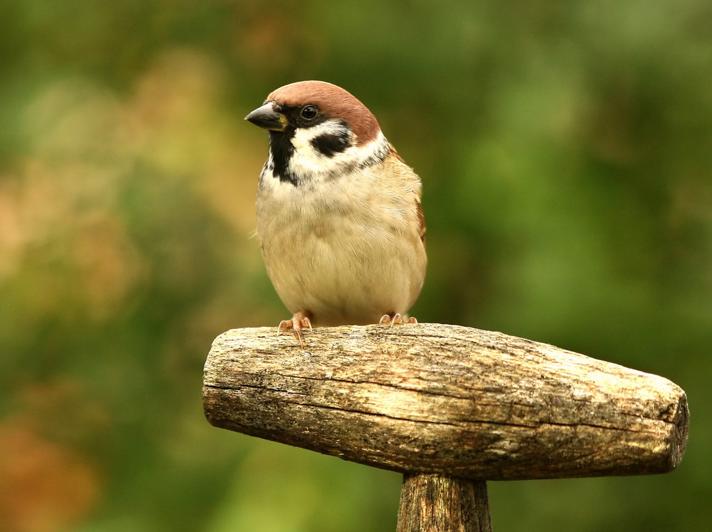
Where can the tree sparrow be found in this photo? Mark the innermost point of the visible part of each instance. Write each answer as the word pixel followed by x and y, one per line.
pixel 339 218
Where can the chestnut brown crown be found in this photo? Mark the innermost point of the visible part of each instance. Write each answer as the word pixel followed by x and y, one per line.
pixel 334 102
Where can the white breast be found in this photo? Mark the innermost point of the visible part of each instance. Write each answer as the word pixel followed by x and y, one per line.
pixel 345 249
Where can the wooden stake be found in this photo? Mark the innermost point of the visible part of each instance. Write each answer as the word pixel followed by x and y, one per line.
pixel 438 503
pixel 444 405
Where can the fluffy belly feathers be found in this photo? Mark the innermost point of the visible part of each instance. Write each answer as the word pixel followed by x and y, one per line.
pixel 344 269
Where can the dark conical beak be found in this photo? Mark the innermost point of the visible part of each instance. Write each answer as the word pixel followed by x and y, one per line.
pixel 268 117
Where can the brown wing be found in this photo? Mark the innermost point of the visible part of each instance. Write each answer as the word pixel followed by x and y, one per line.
pixel 418 205
pixel 421 220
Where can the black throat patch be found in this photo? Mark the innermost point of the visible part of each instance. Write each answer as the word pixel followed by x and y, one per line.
pixel 280 145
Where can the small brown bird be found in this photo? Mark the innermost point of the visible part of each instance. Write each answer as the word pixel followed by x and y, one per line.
pixel 339 217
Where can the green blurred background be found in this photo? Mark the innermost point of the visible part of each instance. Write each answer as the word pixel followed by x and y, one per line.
pixel 565 150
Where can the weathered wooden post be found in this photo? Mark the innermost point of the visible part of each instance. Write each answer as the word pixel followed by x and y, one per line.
pixel 450 407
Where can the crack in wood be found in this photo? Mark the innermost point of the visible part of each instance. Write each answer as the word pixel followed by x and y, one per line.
pixel 535 426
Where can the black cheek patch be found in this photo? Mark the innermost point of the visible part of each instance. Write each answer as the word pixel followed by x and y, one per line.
pixel 330 144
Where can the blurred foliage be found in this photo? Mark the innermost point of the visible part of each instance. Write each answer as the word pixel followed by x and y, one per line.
pixel 565 149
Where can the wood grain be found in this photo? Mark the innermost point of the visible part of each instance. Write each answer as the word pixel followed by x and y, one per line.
pixel 435 503
pixel 445 399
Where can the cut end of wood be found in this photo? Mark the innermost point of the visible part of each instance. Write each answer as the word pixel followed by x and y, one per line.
pixel 680 420
pixel 447 400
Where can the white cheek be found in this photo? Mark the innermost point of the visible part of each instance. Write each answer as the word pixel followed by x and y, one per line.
pixel 307 160
pixel 309 163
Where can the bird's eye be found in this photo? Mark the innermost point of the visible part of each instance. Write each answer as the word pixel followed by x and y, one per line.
pixel 308 112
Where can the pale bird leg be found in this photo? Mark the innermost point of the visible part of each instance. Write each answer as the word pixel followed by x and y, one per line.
pixel 300 320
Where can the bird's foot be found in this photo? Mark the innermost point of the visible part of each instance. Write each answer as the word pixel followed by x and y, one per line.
pixel 300 320
pixel 396 319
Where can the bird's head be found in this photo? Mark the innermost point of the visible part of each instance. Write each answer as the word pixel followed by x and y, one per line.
pixel 317 131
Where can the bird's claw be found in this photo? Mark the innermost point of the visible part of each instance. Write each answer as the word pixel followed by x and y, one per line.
pixel 396 319
pixel 298 322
